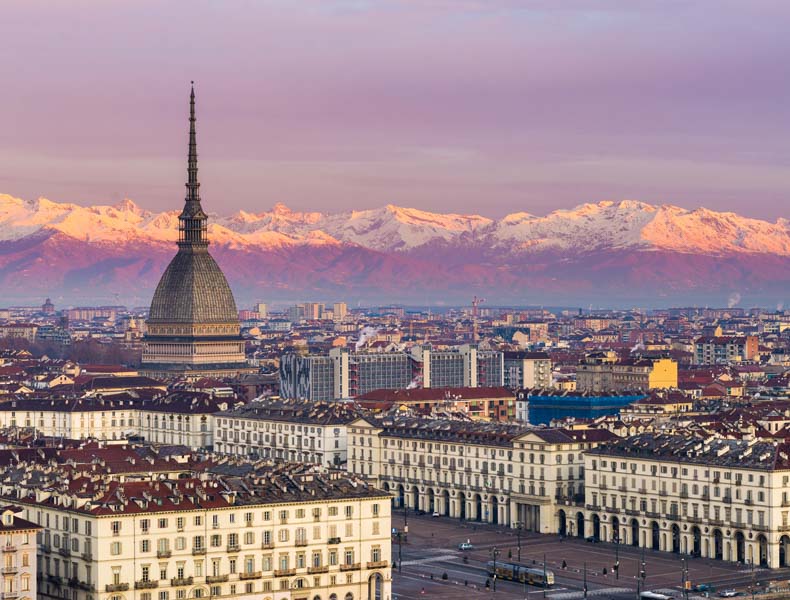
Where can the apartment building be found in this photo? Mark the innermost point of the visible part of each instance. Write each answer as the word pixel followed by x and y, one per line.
pixel 726 499
pixel 18 566
pixel 725 349
pixel 183 418
pixel 290 532
pixel 498 473
pixel 291 430
pixel 527 370
pixel 605 372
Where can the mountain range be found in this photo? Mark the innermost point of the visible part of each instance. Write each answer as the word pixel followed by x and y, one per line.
pixel 614 253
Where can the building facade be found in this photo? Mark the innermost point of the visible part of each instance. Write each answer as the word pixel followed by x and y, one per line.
pixel 284 536
pixel 604 372
pixel 490 472
pixel 717 498
pixel 296 431
pixel 527 370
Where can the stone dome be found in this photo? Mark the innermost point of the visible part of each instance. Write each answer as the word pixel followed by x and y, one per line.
pixel 193 289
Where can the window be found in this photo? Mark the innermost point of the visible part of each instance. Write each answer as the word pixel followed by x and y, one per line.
pixel 115 548
pixel 145 545
pixel 144 525
pixel 116 527
pixel 162 523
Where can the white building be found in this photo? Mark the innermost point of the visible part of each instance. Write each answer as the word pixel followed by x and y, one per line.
pixel 513 475
pixel 717 498
pixel 289 430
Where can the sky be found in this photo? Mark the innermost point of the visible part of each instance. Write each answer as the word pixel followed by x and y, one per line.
pixel 470 106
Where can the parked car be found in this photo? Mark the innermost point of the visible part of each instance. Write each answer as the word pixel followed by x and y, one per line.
pixel 592 539
pixel 420 512
pixel 435 514
pixel 467 545
pixel 702 587
pixel 728 594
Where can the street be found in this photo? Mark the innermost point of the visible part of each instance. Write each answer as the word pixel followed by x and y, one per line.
pixel 433 565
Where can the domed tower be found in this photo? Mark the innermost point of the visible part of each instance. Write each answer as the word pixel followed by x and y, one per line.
pixel 193 324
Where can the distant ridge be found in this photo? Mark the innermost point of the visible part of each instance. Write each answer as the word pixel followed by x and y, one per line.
pixel 629 250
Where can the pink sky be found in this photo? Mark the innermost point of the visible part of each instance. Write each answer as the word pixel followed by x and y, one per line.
pixel 486 106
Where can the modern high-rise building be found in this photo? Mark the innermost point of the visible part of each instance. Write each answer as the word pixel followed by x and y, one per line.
pixel 339 311
pixel 346 374
pixel 262 309
pixel 193 324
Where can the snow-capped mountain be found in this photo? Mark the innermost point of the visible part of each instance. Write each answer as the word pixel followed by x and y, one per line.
pixel 404 253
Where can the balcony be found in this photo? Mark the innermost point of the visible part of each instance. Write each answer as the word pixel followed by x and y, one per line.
pixel 632 512
pixel 684 494
pixel 216 578
pixel 350 567
pixel 116 587
pixel 693 519
pixel 662 493
pixel 378 564
pixel 181 581
pixel 333 540
pixel 284 572
pixel 9 570
pixel 315 570
pixel 10 595
pixel 300 543
pixel 727 499
pixel 198 551
pixel 748 502
pixel 56 580
pixel 267 546
pixel 9 548
pixel 45 548
pixel 672 517
pixel 163 553
pixel 146 584
pixel 593 507
pixel 250 575
pixel 64 552
pixel 233 548
pixel 87 556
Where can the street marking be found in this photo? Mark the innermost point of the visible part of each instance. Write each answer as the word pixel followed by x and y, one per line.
pixel 433 559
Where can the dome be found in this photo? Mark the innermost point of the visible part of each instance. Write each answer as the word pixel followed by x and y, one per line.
pixel 193 289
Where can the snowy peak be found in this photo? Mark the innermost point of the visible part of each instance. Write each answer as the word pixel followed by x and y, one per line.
pixel 605 225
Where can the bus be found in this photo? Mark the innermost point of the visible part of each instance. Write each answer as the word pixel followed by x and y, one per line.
pixel 520 573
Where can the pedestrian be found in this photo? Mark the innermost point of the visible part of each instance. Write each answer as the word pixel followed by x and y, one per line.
pixel 564 565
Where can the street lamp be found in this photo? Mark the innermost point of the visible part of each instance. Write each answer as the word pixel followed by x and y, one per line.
pixel 495 555
pixel 685 577
pixel 640 582
pixel 585 581
pixel 617 555
pixel 400 552
pixel 519 525
pixel 406 521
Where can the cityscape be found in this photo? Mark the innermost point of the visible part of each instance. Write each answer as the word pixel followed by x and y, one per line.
pixel 208 398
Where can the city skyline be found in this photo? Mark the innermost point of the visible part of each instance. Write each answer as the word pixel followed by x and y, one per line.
pixel 510 106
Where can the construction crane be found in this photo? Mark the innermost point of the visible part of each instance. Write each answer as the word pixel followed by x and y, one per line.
pixel 476 302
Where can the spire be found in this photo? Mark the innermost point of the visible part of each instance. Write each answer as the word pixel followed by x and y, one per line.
pixel 192 221
pixel 193 187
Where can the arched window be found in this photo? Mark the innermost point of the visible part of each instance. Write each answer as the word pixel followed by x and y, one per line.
pixel 349 596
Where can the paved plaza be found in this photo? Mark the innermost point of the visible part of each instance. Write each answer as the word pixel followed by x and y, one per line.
pixel 431 552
